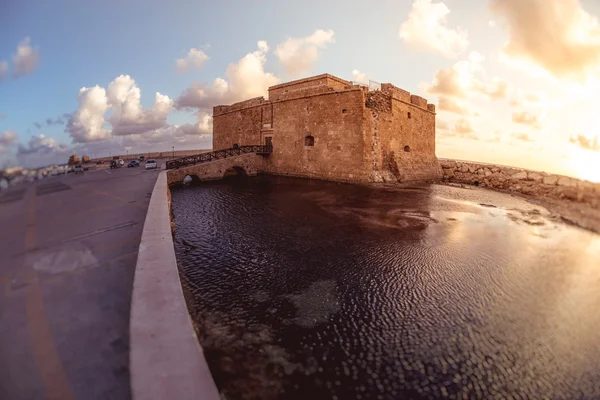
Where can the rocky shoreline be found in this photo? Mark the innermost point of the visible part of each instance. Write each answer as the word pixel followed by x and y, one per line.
pixel 574 200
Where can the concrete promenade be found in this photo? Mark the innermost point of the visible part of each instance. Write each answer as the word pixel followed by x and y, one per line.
pixel 68 250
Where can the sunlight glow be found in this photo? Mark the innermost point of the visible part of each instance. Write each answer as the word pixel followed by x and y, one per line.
pixel 586 164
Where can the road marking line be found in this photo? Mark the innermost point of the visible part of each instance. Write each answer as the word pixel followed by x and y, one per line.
pixel 99 231
pixel 107 171
pixel 54 378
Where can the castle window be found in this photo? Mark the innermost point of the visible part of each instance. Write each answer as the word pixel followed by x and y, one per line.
pixel 409 116
pixel 309 141
pixel 344 111
pixel 407 149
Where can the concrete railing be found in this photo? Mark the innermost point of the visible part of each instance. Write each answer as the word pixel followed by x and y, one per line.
pixel 166 360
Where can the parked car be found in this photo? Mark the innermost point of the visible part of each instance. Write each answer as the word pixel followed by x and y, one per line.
pixel 78 169
pixel 121 163
pixel 114 164
pixel 133 163
pixel 142 158
pixel 151 164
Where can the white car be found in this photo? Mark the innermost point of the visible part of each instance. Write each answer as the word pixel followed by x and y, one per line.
pixel 151 164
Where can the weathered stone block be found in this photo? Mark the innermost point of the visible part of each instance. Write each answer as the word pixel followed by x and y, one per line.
pixel 522 175
pixel 564 181
pixel 534 176
pixel 550 180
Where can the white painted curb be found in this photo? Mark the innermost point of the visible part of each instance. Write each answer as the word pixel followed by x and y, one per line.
pixel 166 360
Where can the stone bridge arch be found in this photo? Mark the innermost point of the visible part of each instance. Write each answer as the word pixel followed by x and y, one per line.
pixel 235 171
pixel 251 164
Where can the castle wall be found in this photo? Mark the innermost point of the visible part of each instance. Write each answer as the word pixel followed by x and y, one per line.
pixel 359 135
pixel 403 136
pixel 241 126
pixel 335 121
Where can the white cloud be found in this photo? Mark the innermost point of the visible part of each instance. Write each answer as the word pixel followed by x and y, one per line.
pixel 194 59
pixel 7 140
pixel 42 150
pixel 87 123
pixel 3 70
pixel 525 98
pixel 495 90
pixel 558 36
pixel 246 79
pixel 467 78
pixel 526 118
pixel 298 55
pixel 453 106
pixel 360 77
pixel 585 142
pixel 463 126
pixel 128 116
pixel 26 60
pixel 426 28
pixel 202 128
pixel 524 137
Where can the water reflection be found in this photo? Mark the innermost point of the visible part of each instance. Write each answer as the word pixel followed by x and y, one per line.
pixel 306 289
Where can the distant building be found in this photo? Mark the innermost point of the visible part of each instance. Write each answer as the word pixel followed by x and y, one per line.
pixel 328 128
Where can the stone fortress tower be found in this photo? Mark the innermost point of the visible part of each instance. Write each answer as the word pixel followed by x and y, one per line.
pixel 327 128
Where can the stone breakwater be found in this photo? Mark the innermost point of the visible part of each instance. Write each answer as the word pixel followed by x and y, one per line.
pixel 575 200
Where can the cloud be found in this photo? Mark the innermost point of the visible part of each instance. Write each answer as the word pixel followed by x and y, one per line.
pixel 42 145
pixel 7 140
pixel 522 137
pixel 463 126
pixel 442 124
pixel 525 118
pixel 586 143
pixel 465 79
pixel 41 151
pixel 557 35
pixel 298 55
pixel 446 82
pixel 57 121
pixel 459 79
pixel 87 123
pixel 26 60
pixel 524 98
pixel 3 70
pixel 495 90
pixel 360 77
pixel 203 127
pixel 246 79
pixel 2 116
pixel 447 104
pixel 426 28
pixel 128 116
pixel 194 59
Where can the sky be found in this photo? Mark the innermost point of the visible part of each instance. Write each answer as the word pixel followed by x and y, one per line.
pixel 515 81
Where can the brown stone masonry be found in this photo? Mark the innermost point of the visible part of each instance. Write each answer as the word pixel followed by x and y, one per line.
pixel 325 127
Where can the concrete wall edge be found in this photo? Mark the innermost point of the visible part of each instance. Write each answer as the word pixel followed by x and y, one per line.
pixel 166 359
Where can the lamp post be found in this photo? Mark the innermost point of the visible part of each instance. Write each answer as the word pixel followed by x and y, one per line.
pixel 173 151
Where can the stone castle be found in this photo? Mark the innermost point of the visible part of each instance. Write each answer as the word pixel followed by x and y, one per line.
pixel 327 128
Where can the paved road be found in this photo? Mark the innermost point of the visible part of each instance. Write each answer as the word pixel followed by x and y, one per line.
pixel 68 248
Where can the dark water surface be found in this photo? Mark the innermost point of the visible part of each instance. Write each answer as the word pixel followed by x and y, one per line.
pixel 315 290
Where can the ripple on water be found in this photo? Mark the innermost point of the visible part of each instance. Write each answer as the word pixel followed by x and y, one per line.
pixel 312 289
